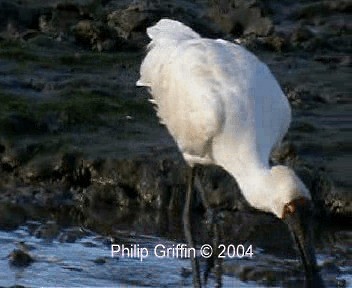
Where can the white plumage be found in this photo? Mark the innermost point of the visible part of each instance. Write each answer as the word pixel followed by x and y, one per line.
pixel 222 105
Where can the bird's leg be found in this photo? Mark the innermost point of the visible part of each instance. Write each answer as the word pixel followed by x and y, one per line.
pixel 212 221
pixel 188 230
pixel 214 261
pixel 217 260
pixel 209 214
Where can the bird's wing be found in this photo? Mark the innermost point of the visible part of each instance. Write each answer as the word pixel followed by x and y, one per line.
pixel 186 96
pixel 203 87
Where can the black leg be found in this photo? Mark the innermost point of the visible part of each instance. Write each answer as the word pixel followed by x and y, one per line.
pixel 214 230
pixel 188 230
pixel 211 260
pixel 217 260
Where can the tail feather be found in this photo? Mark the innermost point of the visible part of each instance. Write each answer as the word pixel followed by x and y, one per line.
pixel 166 35
pixel 167 29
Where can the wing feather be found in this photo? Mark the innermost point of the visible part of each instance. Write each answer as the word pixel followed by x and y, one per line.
pixel 205 88
pixel 188 98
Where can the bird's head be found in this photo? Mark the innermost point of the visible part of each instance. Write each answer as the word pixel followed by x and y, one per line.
pixel 294 207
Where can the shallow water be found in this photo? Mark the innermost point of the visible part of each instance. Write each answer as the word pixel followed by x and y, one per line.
pixel 88 262
pixel 69 255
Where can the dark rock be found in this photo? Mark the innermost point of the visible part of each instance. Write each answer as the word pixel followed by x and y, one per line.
pixel 151 193
pixel 64 16
pixel 301 34
pixel 94 35
pixel 8 163
pixel 24 247
pixel 21 14
pixel 334 59
pixel 272 43
pixel 331 200
pixel 130 24
pixel 303 98
pixel 48 231
pixel 108 195
pixel 11 215
pixel 100 260
pixel 321 8
pixel 20 258
pixel 240 18
pixel 286 153
pixel 276 43
pixel 85 32
pixel 140 180
pixel 220 188
pixel 132 19
pixel 72 170
pixel 71 235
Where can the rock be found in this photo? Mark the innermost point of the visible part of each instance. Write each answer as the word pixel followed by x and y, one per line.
pixel 301 34
pixel 72 170
pixel 20 258
pixel 286 153
pixel 240 18
pixel 276 43
pixel 21 15
pixel 94 35
pixel 302 98
pixel 109 195
pixel 85 32
pixel 130 24
pixel 220 188
pixel 100 260
pixel 129 20
pixel 8 163
pixel 68 13
pixel 48 231
pixel 329 199
pixel 11 215
pixel 71 235
pixel 342 60
pixel 321 8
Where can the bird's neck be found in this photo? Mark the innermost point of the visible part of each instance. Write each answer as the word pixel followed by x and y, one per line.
pixel 254 179
pixel 253 174
pixel 255 182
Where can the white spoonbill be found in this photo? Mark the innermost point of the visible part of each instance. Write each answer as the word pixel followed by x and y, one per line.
pixel 223 106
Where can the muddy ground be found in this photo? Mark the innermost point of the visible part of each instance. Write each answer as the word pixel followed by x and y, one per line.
pixel 84 162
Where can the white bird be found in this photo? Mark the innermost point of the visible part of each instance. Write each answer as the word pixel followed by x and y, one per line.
pixel 223 106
